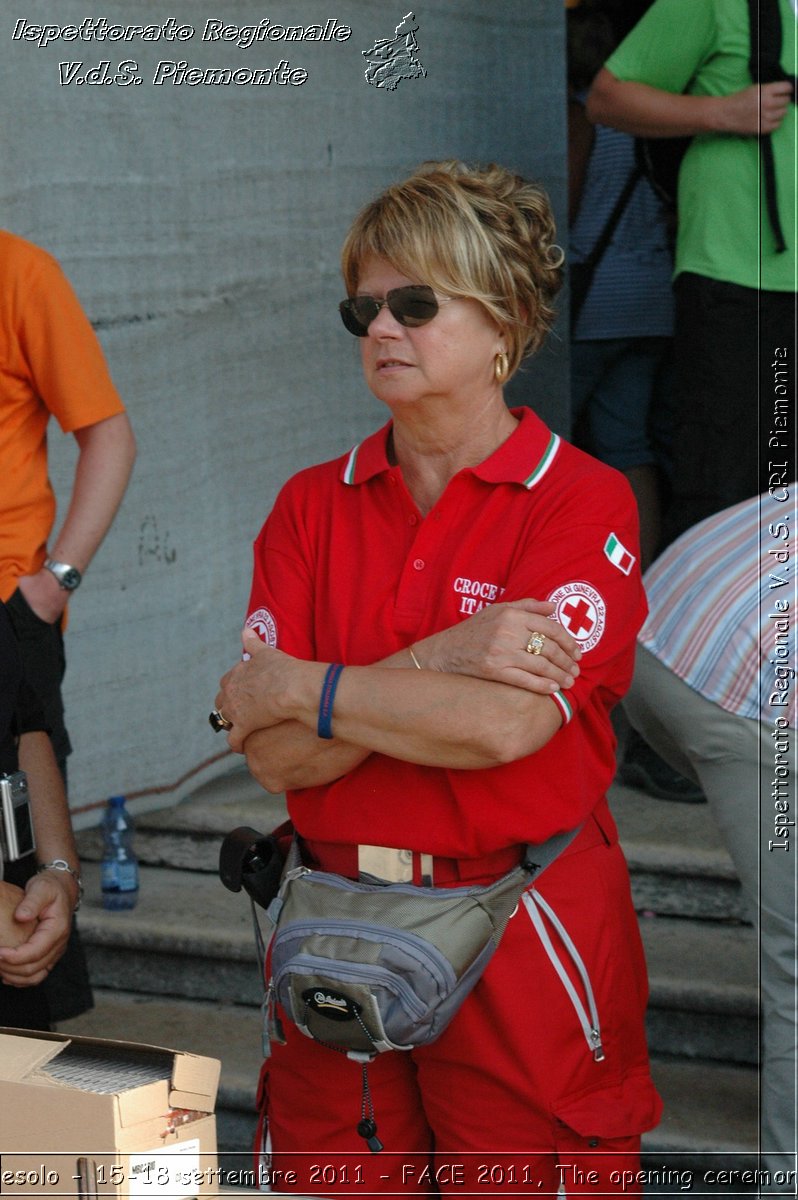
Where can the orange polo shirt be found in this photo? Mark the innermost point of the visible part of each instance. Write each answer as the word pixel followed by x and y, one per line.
pixel 50 364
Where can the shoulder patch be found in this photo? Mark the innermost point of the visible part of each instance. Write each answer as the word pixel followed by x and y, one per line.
pixel 264 624
pixel 581 611
pixel 618 555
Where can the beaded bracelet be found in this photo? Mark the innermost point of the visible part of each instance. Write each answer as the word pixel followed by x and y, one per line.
pixel 60 864
pixel 328 689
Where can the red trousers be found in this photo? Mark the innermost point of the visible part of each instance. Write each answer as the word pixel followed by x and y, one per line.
pixel 509 1100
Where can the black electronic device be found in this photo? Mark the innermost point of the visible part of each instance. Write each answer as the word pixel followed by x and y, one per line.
pixel 16 825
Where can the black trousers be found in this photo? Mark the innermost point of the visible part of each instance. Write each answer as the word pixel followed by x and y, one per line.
pixel 66 992
pixel 734 368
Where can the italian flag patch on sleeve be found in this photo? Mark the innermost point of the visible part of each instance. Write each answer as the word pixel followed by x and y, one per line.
pixel 618 555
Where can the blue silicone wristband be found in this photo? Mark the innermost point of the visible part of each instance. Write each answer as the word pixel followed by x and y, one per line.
pixel 328 689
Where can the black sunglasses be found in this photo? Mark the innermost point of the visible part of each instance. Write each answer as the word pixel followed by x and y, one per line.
pixel 413 305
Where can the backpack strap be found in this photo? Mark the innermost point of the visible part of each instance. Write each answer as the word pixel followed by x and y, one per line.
pixel 764 24
pixel 581 283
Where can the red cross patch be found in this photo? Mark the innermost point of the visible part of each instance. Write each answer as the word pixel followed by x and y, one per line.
pixel 581 611
pixel 264 625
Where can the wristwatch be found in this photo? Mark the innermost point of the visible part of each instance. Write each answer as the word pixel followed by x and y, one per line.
pixel 68 577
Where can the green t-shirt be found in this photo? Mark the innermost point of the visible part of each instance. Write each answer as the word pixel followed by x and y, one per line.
pixel 701 47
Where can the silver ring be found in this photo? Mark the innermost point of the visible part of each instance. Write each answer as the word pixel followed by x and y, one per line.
pixel 218 721
pixel 535 643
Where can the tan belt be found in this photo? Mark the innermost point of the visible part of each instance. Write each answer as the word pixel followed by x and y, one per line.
pixel 392 866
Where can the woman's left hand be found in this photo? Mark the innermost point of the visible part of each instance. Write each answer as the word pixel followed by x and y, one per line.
pixel 46 910
pixel 493 645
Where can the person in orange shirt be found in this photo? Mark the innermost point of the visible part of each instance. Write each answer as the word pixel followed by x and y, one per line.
pixel 51 364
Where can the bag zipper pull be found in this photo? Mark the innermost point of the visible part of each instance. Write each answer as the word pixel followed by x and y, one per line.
pixel 598 1049
pixel 368 1131
pixel 367 1126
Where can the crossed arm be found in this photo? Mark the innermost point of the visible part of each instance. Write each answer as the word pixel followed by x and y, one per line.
pixel 479 700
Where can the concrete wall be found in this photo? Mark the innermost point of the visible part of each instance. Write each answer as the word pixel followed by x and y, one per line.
pixel 201 227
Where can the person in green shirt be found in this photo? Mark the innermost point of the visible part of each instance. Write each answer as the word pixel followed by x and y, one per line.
pixel 683 71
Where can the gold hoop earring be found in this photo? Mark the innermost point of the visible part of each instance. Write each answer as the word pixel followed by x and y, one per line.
pixel 501 367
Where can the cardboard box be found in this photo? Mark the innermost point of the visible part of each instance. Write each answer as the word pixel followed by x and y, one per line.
pixel 88 1117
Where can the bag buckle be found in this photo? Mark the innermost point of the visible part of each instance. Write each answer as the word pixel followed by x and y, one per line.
pixel 388 865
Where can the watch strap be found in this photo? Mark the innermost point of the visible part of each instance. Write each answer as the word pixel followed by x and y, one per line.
pixel 69 577
pixel 60 864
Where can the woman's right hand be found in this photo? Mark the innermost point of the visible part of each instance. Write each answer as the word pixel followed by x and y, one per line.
pixel 492 645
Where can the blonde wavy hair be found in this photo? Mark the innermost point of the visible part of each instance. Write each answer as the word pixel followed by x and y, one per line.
pixel 481 233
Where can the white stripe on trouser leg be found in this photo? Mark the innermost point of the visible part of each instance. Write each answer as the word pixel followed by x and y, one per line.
pixel 533 901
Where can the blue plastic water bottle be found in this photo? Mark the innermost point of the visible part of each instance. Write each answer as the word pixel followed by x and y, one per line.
pixel 120 867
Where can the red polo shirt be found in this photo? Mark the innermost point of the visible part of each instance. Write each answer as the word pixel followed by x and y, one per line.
pixel 347 570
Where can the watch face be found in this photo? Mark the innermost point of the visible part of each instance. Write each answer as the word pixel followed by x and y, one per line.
pixel 70 579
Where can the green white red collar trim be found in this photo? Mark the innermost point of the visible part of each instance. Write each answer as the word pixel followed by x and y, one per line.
pixel 549 454
pixel 351 464
pixel 532 442
pixel 563 705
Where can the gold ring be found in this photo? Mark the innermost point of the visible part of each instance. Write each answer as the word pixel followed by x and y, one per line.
pixel 535 643
pixel 218 721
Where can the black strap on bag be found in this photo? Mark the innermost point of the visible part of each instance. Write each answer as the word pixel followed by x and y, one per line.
pixel 764 20
pixel 581 275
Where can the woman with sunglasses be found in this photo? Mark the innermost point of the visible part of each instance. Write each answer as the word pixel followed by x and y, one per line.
pixel 407 687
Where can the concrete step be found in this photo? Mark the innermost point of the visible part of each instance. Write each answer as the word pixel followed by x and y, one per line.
pixel 704 995
pixel 189 937
pixel 710 1121
pixel 710 1109
pixel 677 863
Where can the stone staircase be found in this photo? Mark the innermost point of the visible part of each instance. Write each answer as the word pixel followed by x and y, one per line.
pixel 181 970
